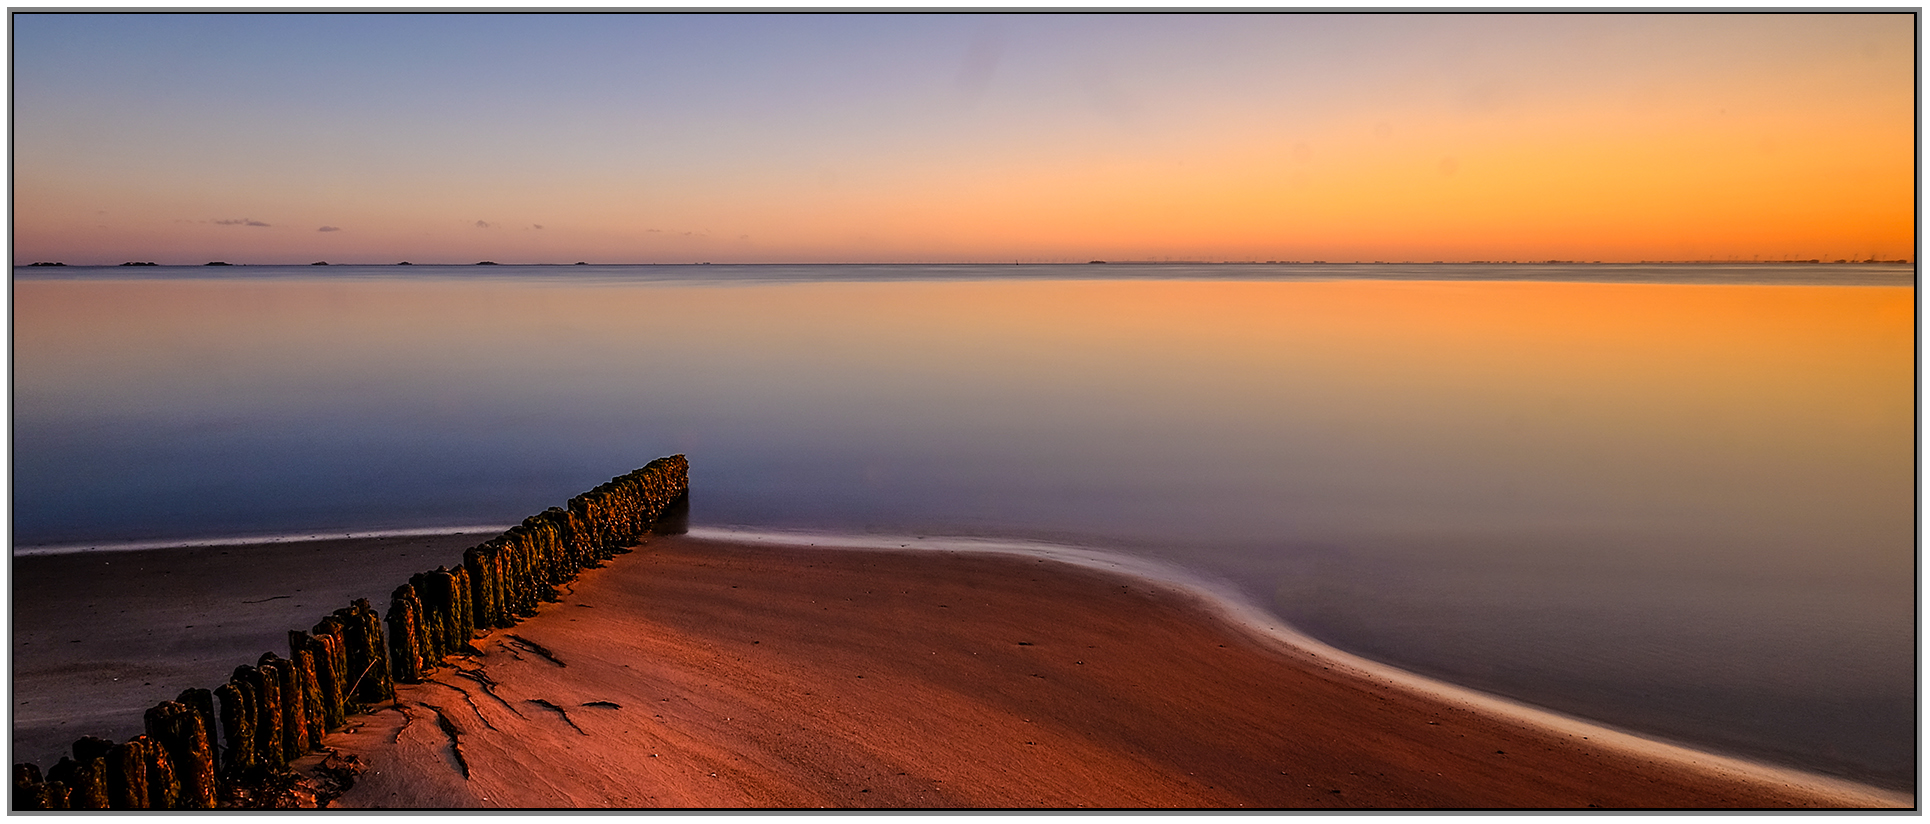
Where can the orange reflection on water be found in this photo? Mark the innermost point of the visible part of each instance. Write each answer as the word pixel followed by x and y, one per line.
pixel 1411 402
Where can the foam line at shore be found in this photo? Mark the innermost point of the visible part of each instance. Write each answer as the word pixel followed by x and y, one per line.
pixel 1225 599
pixel 252 540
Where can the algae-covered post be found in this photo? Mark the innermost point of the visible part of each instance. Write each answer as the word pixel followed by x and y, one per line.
pixel 331 667
pixel 294 712
pixel 368 660
pixel 406 658
pixel 178 730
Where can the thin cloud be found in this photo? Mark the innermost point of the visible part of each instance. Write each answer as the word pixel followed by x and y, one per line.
pixel 482 224
pixel 329 229
pixel 242 222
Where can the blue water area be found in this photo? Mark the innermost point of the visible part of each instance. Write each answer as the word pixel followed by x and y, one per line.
pixel 1677 499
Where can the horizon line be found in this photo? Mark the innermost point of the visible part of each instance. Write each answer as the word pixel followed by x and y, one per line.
pixel 1543 262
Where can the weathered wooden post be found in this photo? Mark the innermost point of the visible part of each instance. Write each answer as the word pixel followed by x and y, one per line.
pixel 572 533
pixel 549 565
pixel 482 596
pixel 431 622
pixel 140 776
pixel 368 659
pixel 405 647
pixel 178 729
pixel 29 791
pixel 59 796
pixel 293 723
pixel 331 670
pixel 127 775
pixel 86 781
pixel 237 727
pixel 201 701
pixel 443 602
pixel 584 512
pixel 515 579
pixel 265 686
pixel 523 596
pixel 301 651
pixel 163 780
pixel 94 772
pixel 462 626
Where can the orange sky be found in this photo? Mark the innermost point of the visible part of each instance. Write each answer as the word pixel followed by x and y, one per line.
pixel 644 138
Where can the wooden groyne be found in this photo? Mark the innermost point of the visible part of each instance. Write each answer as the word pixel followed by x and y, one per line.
pixel 229 746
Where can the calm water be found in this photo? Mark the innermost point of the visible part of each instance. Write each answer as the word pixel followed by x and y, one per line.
pixel 1675 499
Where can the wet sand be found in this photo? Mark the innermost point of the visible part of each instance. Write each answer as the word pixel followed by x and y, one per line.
pixel 710 673
pixel 99 637
pixel 703 673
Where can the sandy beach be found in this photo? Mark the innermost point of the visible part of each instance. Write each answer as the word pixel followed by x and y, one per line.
pixel 704 673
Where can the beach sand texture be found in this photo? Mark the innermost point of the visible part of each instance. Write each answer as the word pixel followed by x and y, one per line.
pixel 697 672
pixel 704 673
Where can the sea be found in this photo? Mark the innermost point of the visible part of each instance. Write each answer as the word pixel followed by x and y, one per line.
pixel 1676 499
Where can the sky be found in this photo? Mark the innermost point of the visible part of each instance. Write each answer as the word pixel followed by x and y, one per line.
pixel 754 138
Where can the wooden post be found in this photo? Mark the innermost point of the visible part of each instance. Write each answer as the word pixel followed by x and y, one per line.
pixel 265 685
pixel 237 726
pixel 86 781
pixel 443 594
pixel 294 712
pixel 405 649
pixel 127 775
pixel 431 621
pixel 331 670
pixel 177 729
pixel 361 681
pixel 368 659
pixel 462 626
pixel 202 703
pixel 482 600
pixel 163 780
pixel 29 791
pixel 301 651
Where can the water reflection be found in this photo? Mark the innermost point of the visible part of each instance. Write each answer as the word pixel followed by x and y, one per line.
pixel 1687 508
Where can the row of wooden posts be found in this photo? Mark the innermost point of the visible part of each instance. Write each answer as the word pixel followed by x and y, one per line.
pixel 278 709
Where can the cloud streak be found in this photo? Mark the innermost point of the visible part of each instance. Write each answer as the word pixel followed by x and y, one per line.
pixel 242 222
pixel 329 229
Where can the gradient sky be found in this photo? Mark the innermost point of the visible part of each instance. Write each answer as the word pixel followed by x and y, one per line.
pixel 439 138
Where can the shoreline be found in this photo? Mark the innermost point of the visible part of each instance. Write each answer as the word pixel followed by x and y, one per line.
pixel 251 540
pixel 1201 599
pixel 1225 601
